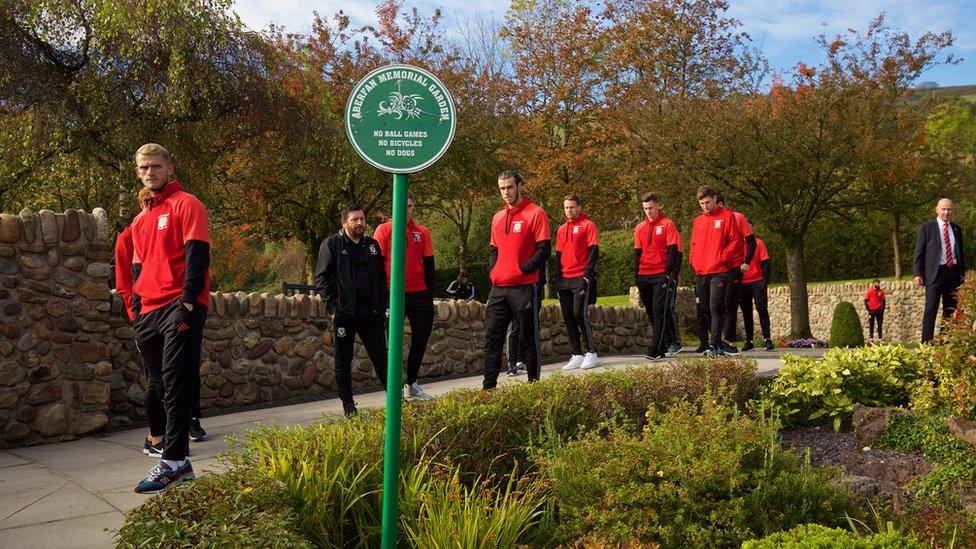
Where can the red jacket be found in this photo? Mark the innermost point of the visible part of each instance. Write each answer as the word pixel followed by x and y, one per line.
pixel 745 229
pixel 715 242
pixel 653 239
pixel 172 218
pixel 573 241
pixel 419 246
pixel 875 298
pixel 123 268
pixel 515 230
pixel 755 273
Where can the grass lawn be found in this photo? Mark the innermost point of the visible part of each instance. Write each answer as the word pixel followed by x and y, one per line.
pixel 612 300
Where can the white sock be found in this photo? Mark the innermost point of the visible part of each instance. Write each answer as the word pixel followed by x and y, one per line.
pixel 175 464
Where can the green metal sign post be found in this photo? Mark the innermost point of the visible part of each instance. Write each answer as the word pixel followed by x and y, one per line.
pixel 400 119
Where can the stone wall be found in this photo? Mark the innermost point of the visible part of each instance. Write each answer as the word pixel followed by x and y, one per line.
pixel 69 364
pixel 902 322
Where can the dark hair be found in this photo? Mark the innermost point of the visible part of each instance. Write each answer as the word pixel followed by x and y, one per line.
pixel 650 197
pixel 707 191
pixel 461 275
pixel 351 207
pixel 511 174
pixel 574 197
pixel 411 197
pixel 875 280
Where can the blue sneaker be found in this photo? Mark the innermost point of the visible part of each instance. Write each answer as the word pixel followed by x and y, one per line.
pixel 161 477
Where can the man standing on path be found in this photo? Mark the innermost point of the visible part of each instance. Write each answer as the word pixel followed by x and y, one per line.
pixel 349 271
pixel 420 279
pixel 743 256
pixel 520 246
pixel 657 259
pixel 715 257
pixel 577 251
pixel 755 289
pixel 875 303
pixel 172 239
pixel 940 265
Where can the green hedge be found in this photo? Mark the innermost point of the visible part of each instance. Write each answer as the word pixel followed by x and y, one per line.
pixel 845 328
pixel 815 536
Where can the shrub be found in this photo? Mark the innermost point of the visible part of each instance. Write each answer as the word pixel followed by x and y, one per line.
pixel 845 328
pixel 241 508
pixel 953 377
pixel 698 476
pixel 808 390
pixel 815 536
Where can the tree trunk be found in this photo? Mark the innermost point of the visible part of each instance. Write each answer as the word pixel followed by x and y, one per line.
pixel 799 299
pixel 895 247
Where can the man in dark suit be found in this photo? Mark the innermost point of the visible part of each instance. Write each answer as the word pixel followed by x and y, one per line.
pixel 939 265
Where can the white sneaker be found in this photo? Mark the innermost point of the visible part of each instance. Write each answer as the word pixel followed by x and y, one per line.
pixel 520 366
pixel 414 391
pixel 590 361
pixel 573 363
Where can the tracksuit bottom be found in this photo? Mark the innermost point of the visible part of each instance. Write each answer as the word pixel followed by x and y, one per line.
pixel 419 310
pixel 515 353
pixel 170 340
pixel 710 290
pixel 575 298
pixel 371 328
pixel 657 294
pixel 872 317
pixel 758 293
pixel 733 289
pixel 504 305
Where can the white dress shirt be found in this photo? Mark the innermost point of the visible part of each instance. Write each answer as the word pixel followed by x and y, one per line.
pixel 952 242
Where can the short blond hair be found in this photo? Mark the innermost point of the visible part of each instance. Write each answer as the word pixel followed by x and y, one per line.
pixel 153 149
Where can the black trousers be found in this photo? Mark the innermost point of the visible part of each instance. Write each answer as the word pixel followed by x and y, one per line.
pixel 516 353
pixel 371 328
pixel 711 307
pixel 732 290
pixel 574 300
pixel 671 331
pixel 758 293
pixel 505 305
pixel 656 294
pixel 170 340
pixel 875 316
pixel 419 310
pixel 943 289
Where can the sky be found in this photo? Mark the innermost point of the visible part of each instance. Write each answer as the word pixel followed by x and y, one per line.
pixel 784 29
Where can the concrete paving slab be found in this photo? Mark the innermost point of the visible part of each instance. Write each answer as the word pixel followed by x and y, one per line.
pixel 22 485
pixel 9 460
pixel 77 533
pixel 67 502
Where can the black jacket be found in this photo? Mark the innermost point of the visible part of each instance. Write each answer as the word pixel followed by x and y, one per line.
pixel 928 250
pixel 334 275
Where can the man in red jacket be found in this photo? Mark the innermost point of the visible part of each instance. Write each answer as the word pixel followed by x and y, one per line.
pixel 520 246
pixel 577 251
pixel 875 303
pixel 172 239
pixel 418 300
pixel 744 257
pixel 657 259
pixel 715 258
pixel 755 288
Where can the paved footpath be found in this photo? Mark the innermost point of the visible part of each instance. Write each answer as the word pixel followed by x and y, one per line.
pixel 73 494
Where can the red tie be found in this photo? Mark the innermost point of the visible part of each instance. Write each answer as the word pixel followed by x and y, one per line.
pixel 948 245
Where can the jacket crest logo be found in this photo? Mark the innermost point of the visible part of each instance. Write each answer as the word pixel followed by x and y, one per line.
pixel 659 230
pixel 372 249
pixel 417 237
pixel 517 227
pixel 576 229
pixel 162 222
pixel 718 223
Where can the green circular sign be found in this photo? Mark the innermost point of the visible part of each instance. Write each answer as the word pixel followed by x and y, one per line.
pixel 400 118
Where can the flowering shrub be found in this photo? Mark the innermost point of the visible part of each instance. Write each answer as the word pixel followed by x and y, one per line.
pixel 808 343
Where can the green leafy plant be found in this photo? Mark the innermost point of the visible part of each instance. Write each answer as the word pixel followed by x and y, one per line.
pixel 953 377
pixel 807 390
pixel 845 328
pixel 815 536
pixel 699 475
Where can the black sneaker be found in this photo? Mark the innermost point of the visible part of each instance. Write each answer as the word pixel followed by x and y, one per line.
pixel 196 431
pixel 349 411
pixel 153 450
pixel 673 350
pixel 513 370
pixel 161 477
pixel 702 348
pixel 769 345
pixel 729 349
pixel 748 346
pixel 713 352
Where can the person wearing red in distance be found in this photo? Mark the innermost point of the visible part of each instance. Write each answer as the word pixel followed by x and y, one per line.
pixel 520 246
pixel 172 239
pixel 743 257
pixel 657 258
pixel 419 291
pixel 755 288
pixel 577 251
pixel 714 253
pixel 874 302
